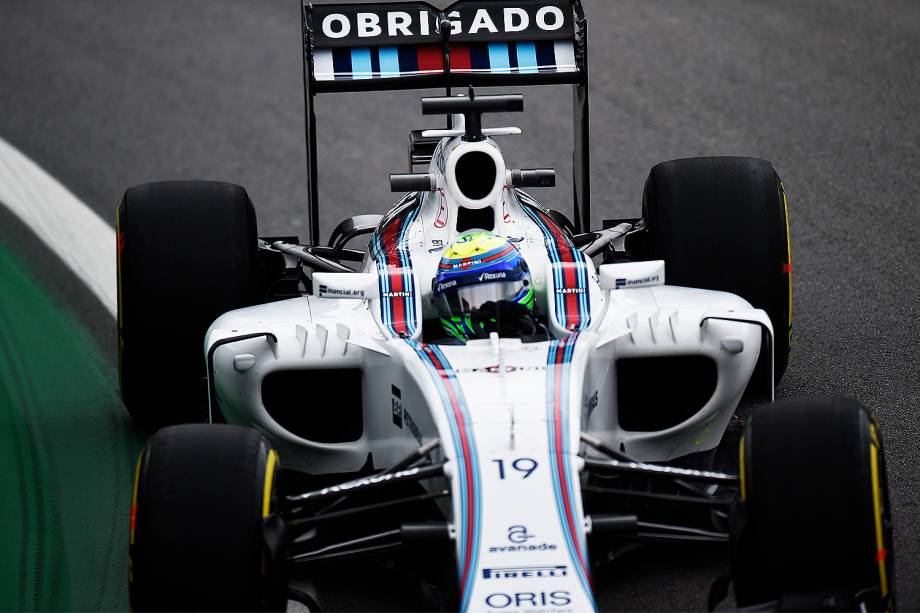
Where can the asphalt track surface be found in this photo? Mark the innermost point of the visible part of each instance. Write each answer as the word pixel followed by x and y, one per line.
pixel 107 94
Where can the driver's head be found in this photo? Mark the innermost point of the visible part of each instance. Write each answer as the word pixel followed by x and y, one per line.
pixel 483 285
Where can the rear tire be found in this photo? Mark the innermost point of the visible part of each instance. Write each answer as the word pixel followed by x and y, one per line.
pixel 812 528
pixel 187 253
pixel 204 534
pixel 721 223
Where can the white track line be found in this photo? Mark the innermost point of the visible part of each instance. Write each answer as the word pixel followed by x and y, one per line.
pixel 71 229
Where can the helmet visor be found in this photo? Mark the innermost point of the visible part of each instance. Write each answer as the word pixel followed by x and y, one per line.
pixel 465 300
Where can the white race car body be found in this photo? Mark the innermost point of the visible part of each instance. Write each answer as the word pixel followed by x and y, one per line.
pixel 509 415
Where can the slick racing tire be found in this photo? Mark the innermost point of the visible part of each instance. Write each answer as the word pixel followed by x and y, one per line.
pixel 205 534
pixel 720 223
pixel 812 528
pixel 187 253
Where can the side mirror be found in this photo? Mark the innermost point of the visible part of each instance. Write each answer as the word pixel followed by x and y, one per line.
pixel 531 177
pixel 413 182
pixel 345 285
pixel 629 275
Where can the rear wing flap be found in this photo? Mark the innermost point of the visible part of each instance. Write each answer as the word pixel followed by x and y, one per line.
pixel 409 45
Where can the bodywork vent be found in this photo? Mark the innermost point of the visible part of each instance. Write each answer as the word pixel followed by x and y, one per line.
pixel 658 393
pixel 475 219
pixel 320 405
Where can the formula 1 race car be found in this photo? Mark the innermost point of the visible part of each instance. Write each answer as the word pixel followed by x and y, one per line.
pixel 491 396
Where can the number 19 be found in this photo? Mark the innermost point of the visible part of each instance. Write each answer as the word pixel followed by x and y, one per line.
pixel 525 466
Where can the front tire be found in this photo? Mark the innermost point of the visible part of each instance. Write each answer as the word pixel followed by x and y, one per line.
pixel 721 223
pixel 187 253
pixel 205 534
pixel 812 529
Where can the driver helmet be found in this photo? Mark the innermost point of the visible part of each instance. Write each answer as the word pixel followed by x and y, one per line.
pixel 483 285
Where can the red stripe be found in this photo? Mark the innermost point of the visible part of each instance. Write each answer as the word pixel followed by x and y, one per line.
pixel 388 240
pixel 467 462
pixel 571 319
pixel 572 312
pixel 569 276
pixel 557 419
pixel 559 237
pixel 460 57
pixel 398 302
pixel 470 510
pixel 396 280
pixel 431 57
pixel 500 254
pixel 482 260
pixel 391 236
pixel 787 268
pixel 560 464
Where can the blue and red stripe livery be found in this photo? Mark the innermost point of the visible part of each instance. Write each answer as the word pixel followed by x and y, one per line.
pixel 558 385
pixel 381 62
pixel 572 299
pixel 469 521
pixel 396 279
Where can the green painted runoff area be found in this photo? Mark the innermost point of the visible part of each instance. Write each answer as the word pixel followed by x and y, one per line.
pixel 67 452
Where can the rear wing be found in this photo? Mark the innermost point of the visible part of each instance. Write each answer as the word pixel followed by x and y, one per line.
pixel 414 45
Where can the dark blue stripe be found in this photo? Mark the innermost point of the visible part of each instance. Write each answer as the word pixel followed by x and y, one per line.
pixel 479 56
pixel 546 54
pixel 375 60
pixel 408 58
pixel 341 62
pixel 512 55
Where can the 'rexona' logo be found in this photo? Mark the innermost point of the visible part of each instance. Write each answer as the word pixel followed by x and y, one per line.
pixel 447 285
pixel 491 276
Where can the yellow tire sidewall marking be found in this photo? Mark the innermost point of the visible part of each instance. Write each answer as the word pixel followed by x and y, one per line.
pixel 137 478
pixel 741 469
pixel 877 509
pixel 788 256
pixel 270 465
pixel 119 316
